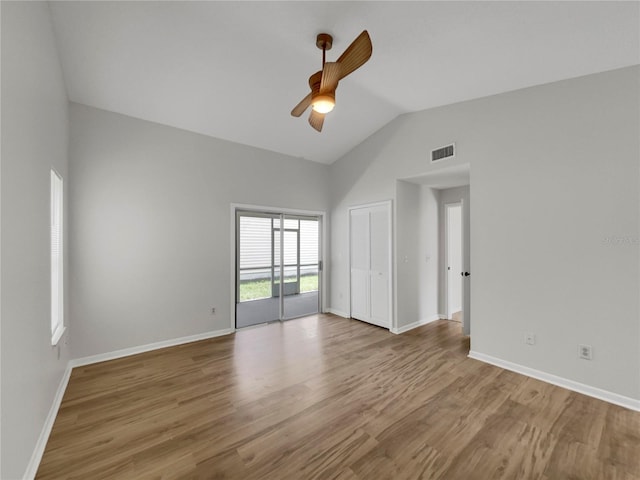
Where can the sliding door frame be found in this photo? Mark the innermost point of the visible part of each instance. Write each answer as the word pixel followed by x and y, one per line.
pixel 322 218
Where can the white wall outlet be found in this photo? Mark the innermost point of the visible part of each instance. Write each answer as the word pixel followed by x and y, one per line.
pixel 529 338
pixel 585 352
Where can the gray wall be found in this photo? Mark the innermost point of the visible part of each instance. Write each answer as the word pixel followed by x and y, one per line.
pixel 406 254
pixel 416 252
pixel 34 139
pixel 151 225
pixel 428 256
pixel 554 175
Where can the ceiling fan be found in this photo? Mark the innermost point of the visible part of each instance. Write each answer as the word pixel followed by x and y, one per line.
pixel 323 84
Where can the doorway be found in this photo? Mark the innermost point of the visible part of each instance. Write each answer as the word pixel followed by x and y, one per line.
pixel 278 266
pixel 448 185
pixel 454 260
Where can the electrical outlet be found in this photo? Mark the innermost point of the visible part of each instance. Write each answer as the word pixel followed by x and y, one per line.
pixel 213 310
pixel 529 339
pixel 585 352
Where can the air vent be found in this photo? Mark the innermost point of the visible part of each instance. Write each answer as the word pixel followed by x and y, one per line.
pixel 443 152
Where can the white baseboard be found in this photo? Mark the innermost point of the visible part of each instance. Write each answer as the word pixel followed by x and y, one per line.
pixel 588 390
pixel 125 352
pixel 338 312
pixel 38 451
pixel 417 324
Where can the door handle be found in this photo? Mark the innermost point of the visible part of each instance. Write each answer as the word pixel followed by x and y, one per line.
pixel 465 274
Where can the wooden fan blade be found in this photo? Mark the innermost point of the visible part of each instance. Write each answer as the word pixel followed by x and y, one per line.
pixel 330 77
pixel 356 54
pixel 302 106
pixel 316 120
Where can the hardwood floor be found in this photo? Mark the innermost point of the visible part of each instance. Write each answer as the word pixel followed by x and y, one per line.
pixel 328 398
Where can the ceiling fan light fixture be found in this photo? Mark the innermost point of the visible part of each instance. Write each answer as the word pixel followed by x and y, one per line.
pixel 323 103
pixel 323 84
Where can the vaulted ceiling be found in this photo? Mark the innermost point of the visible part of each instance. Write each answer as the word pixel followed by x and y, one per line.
pixel 234 70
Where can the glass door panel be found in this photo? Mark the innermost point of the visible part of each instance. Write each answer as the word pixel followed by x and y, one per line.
pixel 290 267
pixel 301 266
pixel 255 299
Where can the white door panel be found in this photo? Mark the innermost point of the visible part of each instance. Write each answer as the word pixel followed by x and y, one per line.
pixel 454 258
pixel 379 240
pixel 379 299
pixel 359 244
pixel 360 294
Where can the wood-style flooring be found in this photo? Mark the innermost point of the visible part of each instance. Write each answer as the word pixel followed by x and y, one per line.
pixel 327 398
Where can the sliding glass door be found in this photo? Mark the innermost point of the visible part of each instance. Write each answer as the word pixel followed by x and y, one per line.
pixel 278 267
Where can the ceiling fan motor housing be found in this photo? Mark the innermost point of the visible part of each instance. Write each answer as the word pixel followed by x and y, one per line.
pixel 324 41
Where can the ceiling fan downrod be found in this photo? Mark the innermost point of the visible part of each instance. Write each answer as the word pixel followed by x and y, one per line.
pixel 324 42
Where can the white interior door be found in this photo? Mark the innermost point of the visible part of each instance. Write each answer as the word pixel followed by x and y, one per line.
pixel 454 258
pixel 370 264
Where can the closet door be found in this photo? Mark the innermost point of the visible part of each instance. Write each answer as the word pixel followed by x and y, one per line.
pixel 360 276
pixel 379 246
pixel 370 263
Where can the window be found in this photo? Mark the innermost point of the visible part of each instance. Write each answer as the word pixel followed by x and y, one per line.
pixel 57 260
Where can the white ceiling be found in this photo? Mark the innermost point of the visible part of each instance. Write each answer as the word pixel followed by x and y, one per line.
pixel 234 70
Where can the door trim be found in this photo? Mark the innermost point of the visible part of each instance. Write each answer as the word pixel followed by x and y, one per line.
pixel 388 204
pixel 466 265
pixel 233 208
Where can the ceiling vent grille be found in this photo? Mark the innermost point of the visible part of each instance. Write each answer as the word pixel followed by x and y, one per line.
pixel 443 152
